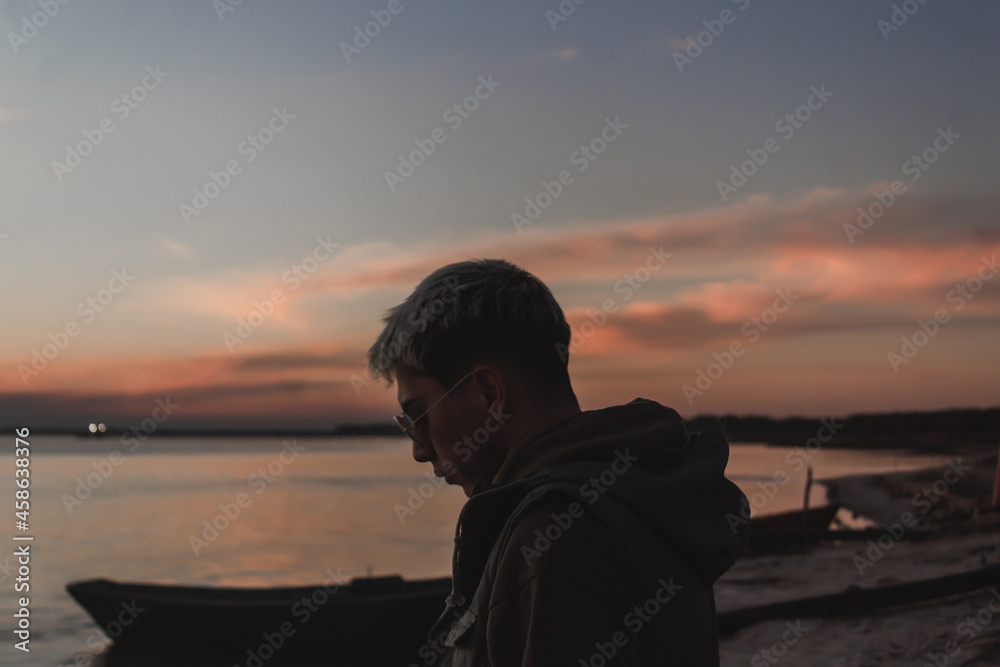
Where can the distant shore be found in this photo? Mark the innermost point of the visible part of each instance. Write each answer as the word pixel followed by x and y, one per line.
pixel 949 432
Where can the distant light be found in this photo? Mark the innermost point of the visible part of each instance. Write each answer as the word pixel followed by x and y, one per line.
pixel 101 428
pixel 93 428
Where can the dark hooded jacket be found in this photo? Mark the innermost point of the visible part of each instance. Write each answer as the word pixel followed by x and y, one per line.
pixel 597 543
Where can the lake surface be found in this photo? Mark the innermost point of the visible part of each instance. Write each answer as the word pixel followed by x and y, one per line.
pixel 330 506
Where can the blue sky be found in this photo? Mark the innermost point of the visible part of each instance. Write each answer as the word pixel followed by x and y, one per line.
pixel 324 174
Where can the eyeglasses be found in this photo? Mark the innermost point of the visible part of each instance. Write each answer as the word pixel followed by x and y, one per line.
pixel 411 426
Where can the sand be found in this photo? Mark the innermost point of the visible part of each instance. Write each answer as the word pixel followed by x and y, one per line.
pixel 964 535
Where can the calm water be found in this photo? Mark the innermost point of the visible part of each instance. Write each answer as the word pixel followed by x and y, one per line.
pixel 330 508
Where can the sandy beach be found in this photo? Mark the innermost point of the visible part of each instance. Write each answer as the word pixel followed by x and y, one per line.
pixel 952 503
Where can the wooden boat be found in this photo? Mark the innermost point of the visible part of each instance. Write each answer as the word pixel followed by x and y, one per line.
pixel 377 618
pixel 382 620
pixel 815 518
pixel 388 613
pixel 794 528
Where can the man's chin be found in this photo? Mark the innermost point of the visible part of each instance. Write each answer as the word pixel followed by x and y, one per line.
pixel 455 480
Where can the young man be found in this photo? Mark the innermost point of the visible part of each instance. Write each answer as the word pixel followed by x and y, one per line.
pixel 589 537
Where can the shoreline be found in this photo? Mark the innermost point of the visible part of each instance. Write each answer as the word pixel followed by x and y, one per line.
pixel 963 536
pixel 930 447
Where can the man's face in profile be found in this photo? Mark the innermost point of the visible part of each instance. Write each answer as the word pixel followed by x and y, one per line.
pixel 447 424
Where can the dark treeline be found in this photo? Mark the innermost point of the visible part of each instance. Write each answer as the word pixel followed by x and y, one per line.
pixel 116 430
pixel 938 430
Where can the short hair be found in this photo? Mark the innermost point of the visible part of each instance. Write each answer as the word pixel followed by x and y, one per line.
pixel 470 312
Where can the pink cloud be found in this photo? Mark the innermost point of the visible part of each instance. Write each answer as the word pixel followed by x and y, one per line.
pixel 725 265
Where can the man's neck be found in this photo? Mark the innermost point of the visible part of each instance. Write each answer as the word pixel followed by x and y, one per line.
pixel 545 417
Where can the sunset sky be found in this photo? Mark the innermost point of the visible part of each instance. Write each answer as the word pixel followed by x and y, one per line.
pixel 170 168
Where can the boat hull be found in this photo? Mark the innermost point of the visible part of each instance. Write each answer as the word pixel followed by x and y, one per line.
pixel 817 518
pixel 375 618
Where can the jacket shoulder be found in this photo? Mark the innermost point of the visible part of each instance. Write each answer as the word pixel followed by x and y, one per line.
pixel 561 537
pixel 566 563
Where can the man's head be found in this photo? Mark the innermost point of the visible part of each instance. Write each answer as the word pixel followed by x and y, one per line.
pixel 479 355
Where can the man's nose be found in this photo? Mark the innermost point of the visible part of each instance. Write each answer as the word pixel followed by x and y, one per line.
pixel 421 453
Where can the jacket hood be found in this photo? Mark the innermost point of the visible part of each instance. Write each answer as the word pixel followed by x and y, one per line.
pixel 640 455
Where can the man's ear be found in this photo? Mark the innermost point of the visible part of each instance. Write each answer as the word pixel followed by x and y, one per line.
pixel 492 385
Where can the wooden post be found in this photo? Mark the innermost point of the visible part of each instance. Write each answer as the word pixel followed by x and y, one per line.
pixel 805 501
pixel 809 483
pixel 996 488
